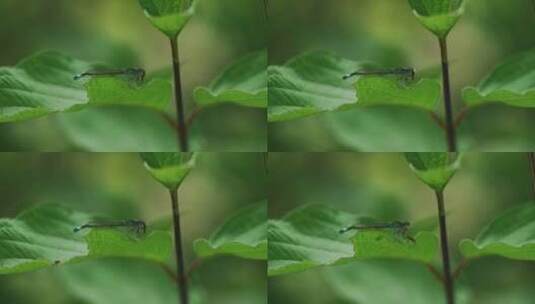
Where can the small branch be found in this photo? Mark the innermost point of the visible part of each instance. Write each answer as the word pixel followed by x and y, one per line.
pixel 448 281
pixel 462 265
pixel 182 281
pixel 438 120
pixel 448 108
pixel 170 121
pixel 182 129
pixel 460 117
pixel 192 116
pixel 169 272
pixel 531 158
pixel 194 266
pixel 435 273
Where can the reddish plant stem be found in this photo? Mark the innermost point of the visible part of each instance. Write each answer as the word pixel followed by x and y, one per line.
pixel 182 282
pixel 448 108
pixel 448 281
pixel 182 129
pixel 435 273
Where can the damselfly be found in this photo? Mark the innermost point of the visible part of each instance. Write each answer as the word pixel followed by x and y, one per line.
pixel 137 74
pixel 406 73
pixel 137 226
pixel 399 228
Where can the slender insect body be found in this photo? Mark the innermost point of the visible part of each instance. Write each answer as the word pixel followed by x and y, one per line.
pixel 406 73
pixel 137 74
pixel 399 228
pixel 137 226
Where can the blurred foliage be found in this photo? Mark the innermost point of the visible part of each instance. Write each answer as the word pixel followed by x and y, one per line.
pixel 117 33
pixel 382 185
pixel 388 33
pixel 118 186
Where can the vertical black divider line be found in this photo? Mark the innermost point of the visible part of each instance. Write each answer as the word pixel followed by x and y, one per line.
pixel 179 252
pixel 182 128
pixel 531 158
pixel 448 281
pixel 448 108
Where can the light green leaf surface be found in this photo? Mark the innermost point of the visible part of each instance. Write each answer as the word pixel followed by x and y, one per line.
pixel 511 82
pixel 510 235
pixel 434 168
pixel 43 236
pixel 388 282
pixel 310 237
pixel 43 84
pixel 243 235
pixel 169 16
pixel 438 16
pixel 113 281
pixel 243 83
pixel 118 129
pixel 313 83
pixel 169 168
pixel 385 129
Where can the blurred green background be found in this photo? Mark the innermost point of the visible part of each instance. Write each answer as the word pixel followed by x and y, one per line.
pixel 117 33
pixel 381 185
pixel 118 186
pixel 387 32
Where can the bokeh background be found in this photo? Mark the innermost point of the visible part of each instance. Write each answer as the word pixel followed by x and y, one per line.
pixel 118 186
pixel 117 33
pixel 382 186
pixel 387 32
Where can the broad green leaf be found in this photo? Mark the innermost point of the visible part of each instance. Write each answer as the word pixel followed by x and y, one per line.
pixel 511 235
pixel 438 16
pixel 118 129
pixel 243 83
pixel 434 168
pixel 365 282
pixel 243 235
pixel 43 84
pixel 114 281
pixel 169 168
pixel 169 16
pixel 310 237
pixel 511 82
pixel 313 83
pixel 386 129
pixel 43 236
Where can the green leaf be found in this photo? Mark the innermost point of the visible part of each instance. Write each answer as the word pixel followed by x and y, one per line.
pixel 510 235
pixel 114 281
pixel 386 129
pixel 434 168
pixel 243 83
pixel 511 82
pixel 169 16
pixel 438 16
pixel 365 282
pixel 313 83
pixel 43 236
pixel 310 237
pixel 118 129
pixel 243 235
pixel 169 168
pixel 43 84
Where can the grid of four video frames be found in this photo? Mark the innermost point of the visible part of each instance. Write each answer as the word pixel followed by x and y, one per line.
pixel 267 151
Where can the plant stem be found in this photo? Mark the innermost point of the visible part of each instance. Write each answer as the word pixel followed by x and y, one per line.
pixel 448 281
pixel 182 281
pixel 531 157
pixel 182 129
pixel 450 127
